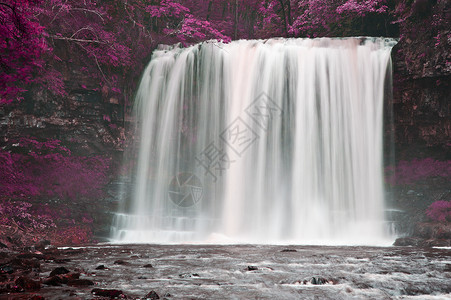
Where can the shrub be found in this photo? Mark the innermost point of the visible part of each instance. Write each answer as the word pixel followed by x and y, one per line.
pixel 32 168
pixel 34 172
pixel 440 211
pixel 22 215
pixel 408 172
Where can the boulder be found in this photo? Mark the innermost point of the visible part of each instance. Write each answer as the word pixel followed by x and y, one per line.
pixel 108 293
pixel 152 295
pixel 188 275
pixel 54 281
pixel 28 284
pixel 80 282
pixel 316 280
pixel 59 271
pixel 407 241
pixel 101 267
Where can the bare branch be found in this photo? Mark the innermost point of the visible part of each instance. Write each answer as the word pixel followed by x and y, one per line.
pixel 90 11
pixel 77 40
pixel 56 15
pixel 9 6
pixel 85 28
pixel 97 63
pixel 80 9
pixel 143 28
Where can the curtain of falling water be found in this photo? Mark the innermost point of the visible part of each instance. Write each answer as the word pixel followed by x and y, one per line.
pixel 260 141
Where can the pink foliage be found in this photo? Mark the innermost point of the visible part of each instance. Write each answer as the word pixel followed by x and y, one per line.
pixel 42 40
pixel 40 221
pixel 85 29
pixel 271 22
pixel 167 9
pixel 47 169
pixel 21 45
pixel 440 211
pixel 178 21
pixel 325 18
pixel 24 215
pixel 35 172
pixel 408 172
pixel 362 7
pixel 73 235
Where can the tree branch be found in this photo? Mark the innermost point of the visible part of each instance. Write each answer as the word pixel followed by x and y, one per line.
pixel 16 20
pixel 76 40
pixel 90 11
pixel 9 6
pixel 97 63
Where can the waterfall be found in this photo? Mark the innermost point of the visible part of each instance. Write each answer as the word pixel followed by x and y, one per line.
pixel 274 141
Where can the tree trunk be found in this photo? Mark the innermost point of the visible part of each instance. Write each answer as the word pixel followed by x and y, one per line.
pixel 282 6
pixel 210 4
pixel 235 31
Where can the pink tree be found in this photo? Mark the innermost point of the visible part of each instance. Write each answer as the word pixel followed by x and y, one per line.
pixel 21 44
pixel 96 39
pixel 176 20
pixel 334 18
pixel 81 35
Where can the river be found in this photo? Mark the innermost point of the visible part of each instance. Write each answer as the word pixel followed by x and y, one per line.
pixel 256 272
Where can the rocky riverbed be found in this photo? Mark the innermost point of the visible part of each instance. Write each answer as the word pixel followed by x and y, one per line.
pixel 226 272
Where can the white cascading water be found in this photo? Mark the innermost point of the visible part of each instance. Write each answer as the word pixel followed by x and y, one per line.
pixel 276 141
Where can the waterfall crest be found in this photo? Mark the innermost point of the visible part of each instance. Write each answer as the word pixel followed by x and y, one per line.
pixel 276 141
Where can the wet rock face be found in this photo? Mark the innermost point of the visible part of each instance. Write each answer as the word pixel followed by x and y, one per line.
pixel 86 119
pixel 422 110
pixel 407 241
pixel 432 231
pixel 423 49
pixel 422 75
pixel 420 242
pixel 426 234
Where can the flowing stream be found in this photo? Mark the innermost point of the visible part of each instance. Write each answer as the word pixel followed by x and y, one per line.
pixel 255 272
pixel 260 141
